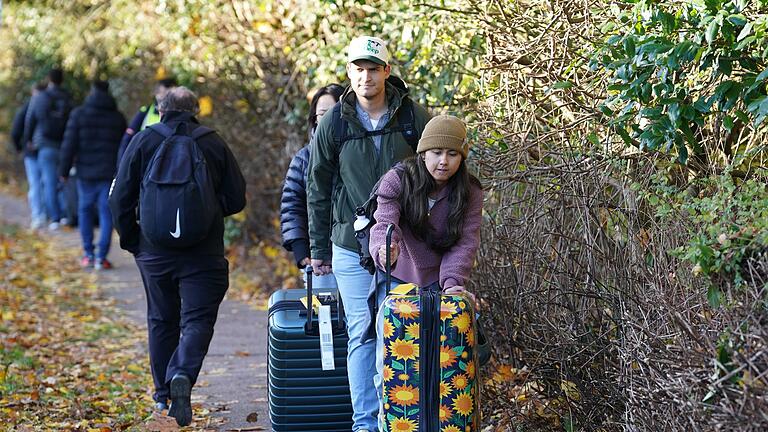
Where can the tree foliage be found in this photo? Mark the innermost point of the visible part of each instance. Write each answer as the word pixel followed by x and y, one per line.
pixel 688 78
pixel 620 145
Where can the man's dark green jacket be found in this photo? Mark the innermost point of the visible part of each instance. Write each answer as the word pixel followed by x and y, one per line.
pixel 340 179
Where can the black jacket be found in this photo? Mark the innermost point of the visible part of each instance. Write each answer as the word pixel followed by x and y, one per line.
pixel 38 116
pixel 92 138
pixel 17 131
pixel 124 196
pixel 293 207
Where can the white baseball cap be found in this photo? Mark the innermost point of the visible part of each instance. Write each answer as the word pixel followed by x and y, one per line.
pixel 368 48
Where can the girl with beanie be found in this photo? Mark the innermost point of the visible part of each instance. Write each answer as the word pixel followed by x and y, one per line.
pixel 435 205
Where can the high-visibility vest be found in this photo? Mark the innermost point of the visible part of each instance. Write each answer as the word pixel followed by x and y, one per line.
pixel 151 118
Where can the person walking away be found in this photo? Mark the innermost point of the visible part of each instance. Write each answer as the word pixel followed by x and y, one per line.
pixel 192 182
pixel 44 126
pixel 372 137
pixel 90 142
pixel 293 203
pixel 147 114
pixel 31 165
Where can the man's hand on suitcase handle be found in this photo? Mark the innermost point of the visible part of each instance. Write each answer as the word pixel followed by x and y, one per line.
pixel 321 267
pixel 395 252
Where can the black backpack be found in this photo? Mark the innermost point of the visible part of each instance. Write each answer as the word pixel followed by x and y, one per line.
pixel 178 203
pixel 405 122
pixel 59 107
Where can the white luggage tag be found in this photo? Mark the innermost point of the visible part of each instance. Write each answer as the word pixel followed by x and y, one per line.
pixel 326 338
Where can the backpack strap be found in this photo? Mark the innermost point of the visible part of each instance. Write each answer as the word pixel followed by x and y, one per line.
pixel 166 131
pixel 201 131
pixel 161 128
pixel 339 127
pixel 406 120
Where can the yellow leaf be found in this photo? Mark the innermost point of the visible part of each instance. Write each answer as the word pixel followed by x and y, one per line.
pixel 206 106
pixel 160 73
pixel 570 390
pixel 271 252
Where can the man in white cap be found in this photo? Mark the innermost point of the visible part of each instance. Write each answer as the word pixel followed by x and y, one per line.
pixel 374 126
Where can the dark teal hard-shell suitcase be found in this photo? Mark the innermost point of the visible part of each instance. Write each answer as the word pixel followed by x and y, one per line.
pixel 303 396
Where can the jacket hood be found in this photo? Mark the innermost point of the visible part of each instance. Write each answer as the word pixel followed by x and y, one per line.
pixel 101 100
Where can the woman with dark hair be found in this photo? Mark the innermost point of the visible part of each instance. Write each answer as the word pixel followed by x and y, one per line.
pixel 293 204
pixel 435 206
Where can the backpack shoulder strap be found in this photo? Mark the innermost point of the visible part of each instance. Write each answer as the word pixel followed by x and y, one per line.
pixel 201 131
pixel 162 128
pixel 339 127
pixel 407 121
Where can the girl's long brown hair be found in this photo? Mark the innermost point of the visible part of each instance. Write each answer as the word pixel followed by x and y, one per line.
pixel 417 184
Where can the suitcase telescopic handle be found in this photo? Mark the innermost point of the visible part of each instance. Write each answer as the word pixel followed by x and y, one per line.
pixel 388 269
pixel 308 270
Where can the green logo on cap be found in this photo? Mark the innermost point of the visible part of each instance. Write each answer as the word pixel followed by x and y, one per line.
pixel 372 46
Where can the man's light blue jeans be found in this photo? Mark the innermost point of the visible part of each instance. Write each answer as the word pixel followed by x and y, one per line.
pixel 48 160
pixel 35 193
pixel 354 283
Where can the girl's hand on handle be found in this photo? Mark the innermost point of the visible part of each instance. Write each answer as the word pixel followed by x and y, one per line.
pixel 395 252
pixel 458 289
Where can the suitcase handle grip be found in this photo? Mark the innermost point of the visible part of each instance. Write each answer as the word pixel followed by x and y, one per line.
pixel 310 309
pixel 388 266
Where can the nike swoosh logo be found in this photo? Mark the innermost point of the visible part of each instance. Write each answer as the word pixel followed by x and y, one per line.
pixel 177 233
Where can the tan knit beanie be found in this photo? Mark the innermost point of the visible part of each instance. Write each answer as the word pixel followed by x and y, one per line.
pixel 444 132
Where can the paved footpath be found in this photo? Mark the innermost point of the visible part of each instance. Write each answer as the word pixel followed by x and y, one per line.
pixel 233 383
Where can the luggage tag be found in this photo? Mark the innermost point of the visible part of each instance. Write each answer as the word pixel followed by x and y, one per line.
pixel 315 302
pixel 403 289
pixel 326 338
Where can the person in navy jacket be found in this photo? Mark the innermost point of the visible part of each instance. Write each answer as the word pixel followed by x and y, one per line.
pixel 90 143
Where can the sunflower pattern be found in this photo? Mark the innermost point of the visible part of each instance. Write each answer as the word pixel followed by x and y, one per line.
pixel 458 395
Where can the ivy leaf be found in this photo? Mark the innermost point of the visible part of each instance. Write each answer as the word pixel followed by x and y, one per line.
pixel 744 32
pixel 758 80
pixel 562 85
pixel 682 153
pixel 744 43
pixel 728 122
pixel 738 20
pixel 711 32
pixel 629 46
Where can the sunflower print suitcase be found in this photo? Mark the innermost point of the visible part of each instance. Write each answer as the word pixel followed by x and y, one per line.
pixel 429 377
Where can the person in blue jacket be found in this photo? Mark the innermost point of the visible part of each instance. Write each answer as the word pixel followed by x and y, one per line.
pixel 147 115
pixel 31 166
pixel 44 126
pixel 90 143
pixel 293 204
